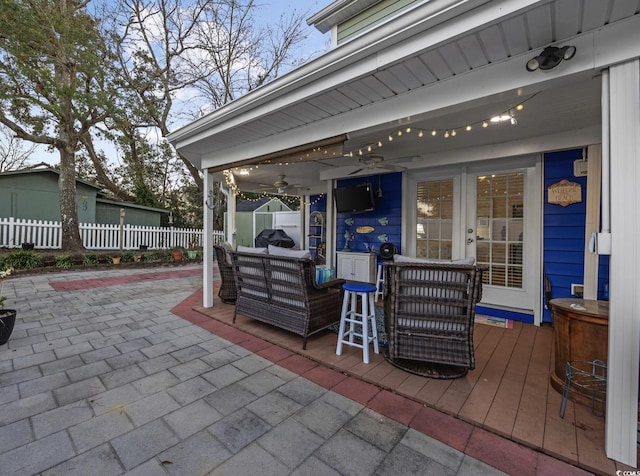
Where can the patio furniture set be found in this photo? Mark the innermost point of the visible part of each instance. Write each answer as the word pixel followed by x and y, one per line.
pixel 429 307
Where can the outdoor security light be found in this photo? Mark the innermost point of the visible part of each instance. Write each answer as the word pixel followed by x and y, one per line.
pixel 551 57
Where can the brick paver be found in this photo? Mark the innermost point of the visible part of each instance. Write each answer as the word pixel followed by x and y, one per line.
pixel 101 377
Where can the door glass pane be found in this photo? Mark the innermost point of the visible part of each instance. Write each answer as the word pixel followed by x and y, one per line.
pixel 434 219
pixel 499 228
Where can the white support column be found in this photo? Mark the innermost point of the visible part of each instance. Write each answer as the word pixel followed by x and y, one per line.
pixel 624 298
pixel 207 241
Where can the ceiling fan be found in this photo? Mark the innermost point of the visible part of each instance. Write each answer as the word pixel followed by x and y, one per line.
pixel 281 186
pixel 375 161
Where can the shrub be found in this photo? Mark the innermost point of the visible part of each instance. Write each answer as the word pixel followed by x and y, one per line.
pixel 127 256
pixel 22 260
pixel 64 261
pixel 90 259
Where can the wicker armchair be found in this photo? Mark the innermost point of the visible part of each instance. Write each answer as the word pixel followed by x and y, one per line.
pixel 282 291
pixel 227 293
pixel 429 317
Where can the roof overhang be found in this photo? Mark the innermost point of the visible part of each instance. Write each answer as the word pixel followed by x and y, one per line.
pixel 442 64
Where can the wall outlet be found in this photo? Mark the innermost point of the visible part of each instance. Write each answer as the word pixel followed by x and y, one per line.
pixel 577 290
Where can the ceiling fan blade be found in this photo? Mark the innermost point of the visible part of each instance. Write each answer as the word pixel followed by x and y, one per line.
pixel 395 168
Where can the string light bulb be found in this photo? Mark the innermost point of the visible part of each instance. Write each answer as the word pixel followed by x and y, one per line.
pixel 468 128
pixel 453 133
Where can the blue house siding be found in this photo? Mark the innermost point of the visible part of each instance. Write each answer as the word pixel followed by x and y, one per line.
pixel 564 229
pixel 386 219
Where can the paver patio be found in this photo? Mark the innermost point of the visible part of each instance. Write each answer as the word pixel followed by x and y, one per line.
pixel 103 378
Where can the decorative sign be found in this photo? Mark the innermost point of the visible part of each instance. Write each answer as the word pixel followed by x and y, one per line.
pixel 565 193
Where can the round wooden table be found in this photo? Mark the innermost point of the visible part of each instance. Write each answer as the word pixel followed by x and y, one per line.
pixel 580 329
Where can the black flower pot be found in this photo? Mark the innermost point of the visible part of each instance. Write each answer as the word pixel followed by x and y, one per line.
pixel 7 321
pixel 28 246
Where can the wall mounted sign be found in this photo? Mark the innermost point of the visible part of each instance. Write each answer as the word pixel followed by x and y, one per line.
pixel 564 193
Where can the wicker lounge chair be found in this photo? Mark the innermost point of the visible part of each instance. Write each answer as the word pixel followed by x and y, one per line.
pixel 429 317
pixel 282 291
pixel 227 291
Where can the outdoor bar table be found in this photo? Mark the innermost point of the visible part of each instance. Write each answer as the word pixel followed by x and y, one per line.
pixel 580 329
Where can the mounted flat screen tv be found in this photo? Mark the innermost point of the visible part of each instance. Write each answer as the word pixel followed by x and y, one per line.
pixel 354 198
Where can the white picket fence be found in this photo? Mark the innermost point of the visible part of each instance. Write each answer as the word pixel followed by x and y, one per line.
pixel 48 235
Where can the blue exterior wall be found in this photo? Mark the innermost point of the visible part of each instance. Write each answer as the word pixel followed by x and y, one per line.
pixel 564 229
pixel 386 219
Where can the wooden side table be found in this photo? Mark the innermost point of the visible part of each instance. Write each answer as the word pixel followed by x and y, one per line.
pixel 581 333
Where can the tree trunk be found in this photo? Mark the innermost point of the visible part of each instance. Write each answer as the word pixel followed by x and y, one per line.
pixel 71 240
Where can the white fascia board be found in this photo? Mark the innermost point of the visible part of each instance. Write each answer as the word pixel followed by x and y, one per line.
pixel 364 55
pixel 337 12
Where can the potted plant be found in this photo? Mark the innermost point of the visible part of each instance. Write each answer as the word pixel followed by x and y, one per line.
pixel 7 316
pixel 115 258
pixel 177 254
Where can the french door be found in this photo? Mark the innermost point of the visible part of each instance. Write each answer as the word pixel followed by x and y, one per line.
pixel 490 215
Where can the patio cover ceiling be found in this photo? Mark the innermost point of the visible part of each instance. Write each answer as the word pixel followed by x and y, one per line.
pixel 443 65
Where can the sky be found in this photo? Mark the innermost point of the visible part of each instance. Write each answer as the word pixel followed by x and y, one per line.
pixel 269 11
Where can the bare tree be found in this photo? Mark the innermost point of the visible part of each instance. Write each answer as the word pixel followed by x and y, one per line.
pixel 176 60
pixel 237 54
pixel 13 155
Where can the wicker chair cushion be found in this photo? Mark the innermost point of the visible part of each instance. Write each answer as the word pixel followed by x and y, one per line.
pixel 280 251
pixel 249 249
pixel 409 259
pixel 228 249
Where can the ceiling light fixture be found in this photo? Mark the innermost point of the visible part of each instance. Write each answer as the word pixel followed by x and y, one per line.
pixel 551 57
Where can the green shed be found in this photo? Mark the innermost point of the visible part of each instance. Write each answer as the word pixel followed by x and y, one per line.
pixel 32 194
pixel 253 216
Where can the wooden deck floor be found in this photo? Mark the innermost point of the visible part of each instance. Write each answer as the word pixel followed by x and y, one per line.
pixel 508 393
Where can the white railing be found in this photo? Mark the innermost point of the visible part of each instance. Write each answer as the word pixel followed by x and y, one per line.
pixel 48 235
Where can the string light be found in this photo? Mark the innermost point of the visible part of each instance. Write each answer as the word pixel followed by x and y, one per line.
pixel 285 197
pixel 505 116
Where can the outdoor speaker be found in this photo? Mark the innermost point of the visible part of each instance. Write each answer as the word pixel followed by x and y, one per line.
pixel 387 250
